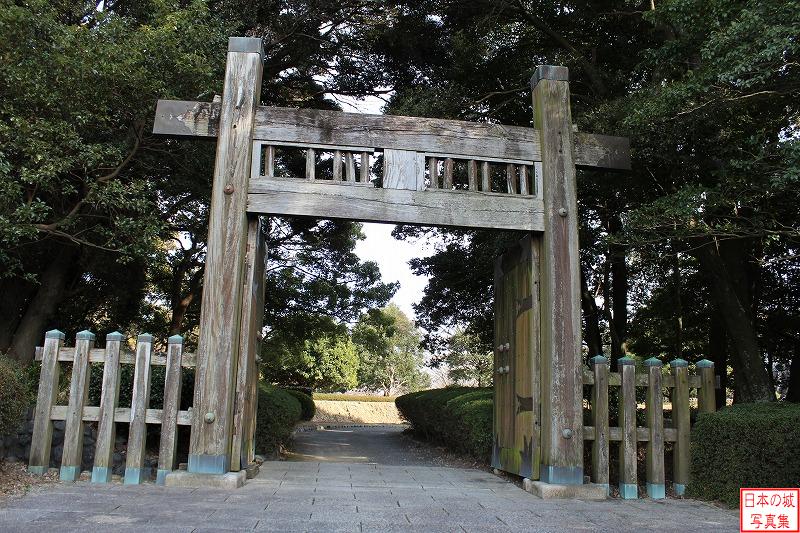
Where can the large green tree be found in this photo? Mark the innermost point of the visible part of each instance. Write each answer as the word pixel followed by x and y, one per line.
pixel 389 351
pixel 708 93
pixel 102 225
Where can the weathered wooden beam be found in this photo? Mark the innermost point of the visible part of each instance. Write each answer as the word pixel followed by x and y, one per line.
pixel 135 470
pixel 42 436
pixel 72 454
pixel 433 207
pixel 121 415
pixel 403 170
pixel 106 429
pixel 223 282
pixel 428 135
pixel 682 424
pixel 562 371
pixel 654 412
pixel 628 487
pixel 98 355
pixel 600 453
pixel 173 381
pixel 244 412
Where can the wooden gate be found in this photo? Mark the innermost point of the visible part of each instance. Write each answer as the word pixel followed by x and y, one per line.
pixel 517 436
pixel 435 172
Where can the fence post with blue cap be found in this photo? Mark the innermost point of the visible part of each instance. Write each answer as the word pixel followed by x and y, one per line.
pixel 599 366
pixel 655 425
pixel 106 426
pixel 681 423
pixel 72 453
pixel 628 488
pixel 705 393
pixel 172 399
pixel 135 471
pixel 42 436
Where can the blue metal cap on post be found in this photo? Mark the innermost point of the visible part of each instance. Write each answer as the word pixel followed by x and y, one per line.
pixel 246 44
pixel 55 334
pixel 653 361
pixel 144 337
pixel 626 361
pixel 676 363
pixel 705 363
pixel 598 360
pixel 115 336
pixel 85 335
pixel 175 339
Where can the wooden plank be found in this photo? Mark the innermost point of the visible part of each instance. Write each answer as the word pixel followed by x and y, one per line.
pixel 72 453
pixel 223 282
pixel 254 339
pixel 252 322
pixel 135 471
pixel 628 488
pixel 349 166
pixel 42 436
pixel 364 168
pixel 328 128
pixel 523 179
pixel 433 172
pixel 511 178
pixel 369 204
pixel 641 380
pixel 486 184
pixel 181 118
pixel 447 174
pixel 109 397
pixel 681 423
pixel 705 385
pixel 600 421
pixel 337 165
pixel 121 415
pixel 602 151
pixel 472 174
pixel 562 391
pixel 311 164
pixel 403 170
pixel 395 132
pixel 655 424
pixel 269 161
pixel 173 382
pixel 98 355
pixel 641 434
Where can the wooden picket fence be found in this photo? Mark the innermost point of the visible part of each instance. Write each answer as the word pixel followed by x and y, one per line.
pixel 655 434
pixel 107 414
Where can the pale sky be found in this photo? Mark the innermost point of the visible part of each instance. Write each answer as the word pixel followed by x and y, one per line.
pixel 392 257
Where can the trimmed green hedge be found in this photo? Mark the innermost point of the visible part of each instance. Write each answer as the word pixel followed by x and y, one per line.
pixel 278 412
pixel 458 417
pixel 745 445
pixel 15 395
pixel 306 404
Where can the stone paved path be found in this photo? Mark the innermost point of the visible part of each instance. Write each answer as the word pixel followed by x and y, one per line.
pixel 347 496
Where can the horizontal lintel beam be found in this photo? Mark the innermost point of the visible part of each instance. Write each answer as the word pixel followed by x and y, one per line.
pixel 463 209
pixel 470 140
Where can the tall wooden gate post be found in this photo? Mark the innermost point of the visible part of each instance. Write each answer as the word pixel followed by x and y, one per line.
pixel 561 374
pixel 223 282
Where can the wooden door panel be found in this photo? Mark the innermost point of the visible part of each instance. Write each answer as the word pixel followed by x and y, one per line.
pixel 516 441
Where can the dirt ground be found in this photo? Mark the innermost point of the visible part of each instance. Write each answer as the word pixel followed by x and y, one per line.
pixel 333 412
pixel 15 479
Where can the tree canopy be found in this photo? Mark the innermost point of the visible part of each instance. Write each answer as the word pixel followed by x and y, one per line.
pixel 693 253
pixel 389 352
